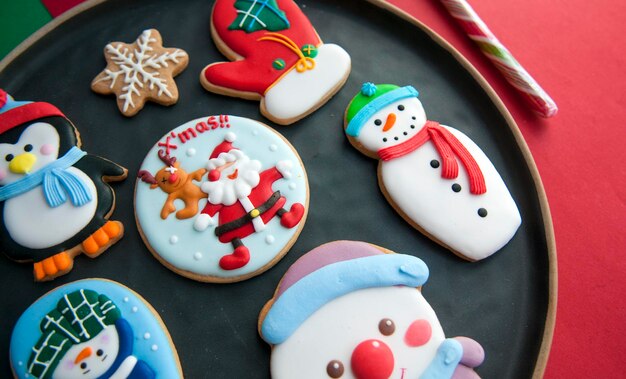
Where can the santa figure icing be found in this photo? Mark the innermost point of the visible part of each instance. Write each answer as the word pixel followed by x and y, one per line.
pixel 350 309
pixel 242 194
pixel 277 58
pixel 434 176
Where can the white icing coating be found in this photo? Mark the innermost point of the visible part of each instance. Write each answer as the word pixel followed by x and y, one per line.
pixel 197 255
pixel 173 239
pixel 134 309
pixel 335 330
pixel 191 152
pixel 146 336
pixel 41 136
pixel 273 147
pixel 154 347
pixel 292 186
pixel 197 234
pixel 270 239
pixel 296 93
pixel 32 223
pixel 428 200
pixel 107 341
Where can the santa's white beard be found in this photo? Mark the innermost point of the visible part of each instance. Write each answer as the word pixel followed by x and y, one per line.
pixel 226 191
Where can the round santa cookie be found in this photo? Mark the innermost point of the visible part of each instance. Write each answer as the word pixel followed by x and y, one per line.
pixel 93 328
pixel 55 200
pixel 221 198
pixel 434 176
pixel 277 58
pixel 350 309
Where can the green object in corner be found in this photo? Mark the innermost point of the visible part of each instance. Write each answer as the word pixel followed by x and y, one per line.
pixel 18 20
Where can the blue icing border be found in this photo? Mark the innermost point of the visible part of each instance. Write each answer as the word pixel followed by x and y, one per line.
pixel 181 255
pixel 26 331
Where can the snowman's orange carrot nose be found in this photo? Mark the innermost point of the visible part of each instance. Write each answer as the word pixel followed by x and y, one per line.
pixel 84 353
pixel 389 123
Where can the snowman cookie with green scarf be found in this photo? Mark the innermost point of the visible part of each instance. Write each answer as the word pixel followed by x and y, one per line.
pixel 433 175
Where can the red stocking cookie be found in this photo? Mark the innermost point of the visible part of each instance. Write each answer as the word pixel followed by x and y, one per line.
pixel 277 56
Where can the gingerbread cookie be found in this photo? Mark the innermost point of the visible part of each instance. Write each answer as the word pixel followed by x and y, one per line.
pixel 92 328
pixel 221 198
pixel 277 58
pixel 433 175
pixel 141 71
pixel 54 198
pixel 354 310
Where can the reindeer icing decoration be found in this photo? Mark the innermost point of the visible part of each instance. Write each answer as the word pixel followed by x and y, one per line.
pixel 177 184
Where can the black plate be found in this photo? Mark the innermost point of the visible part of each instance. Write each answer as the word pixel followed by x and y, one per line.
pixel 501 302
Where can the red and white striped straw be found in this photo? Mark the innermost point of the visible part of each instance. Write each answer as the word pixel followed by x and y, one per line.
pixel 514 73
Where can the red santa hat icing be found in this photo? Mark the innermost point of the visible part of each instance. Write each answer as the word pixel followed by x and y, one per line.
pixel 330 271
pixel 14 113
pixel 222 154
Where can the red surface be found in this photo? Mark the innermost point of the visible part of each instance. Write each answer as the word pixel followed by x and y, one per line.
pixel 575 50
pixel 56 7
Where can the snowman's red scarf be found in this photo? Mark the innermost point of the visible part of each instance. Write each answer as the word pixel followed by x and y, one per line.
pixel 448 146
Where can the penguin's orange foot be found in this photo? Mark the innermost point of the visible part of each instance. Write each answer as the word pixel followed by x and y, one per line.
pixel 104 237
pixel 53 266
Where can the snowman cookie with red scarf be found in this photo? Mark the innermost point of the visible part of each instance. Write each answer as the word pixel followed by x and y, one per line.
pixel 276 57
pixel 433 175
pixel 221 198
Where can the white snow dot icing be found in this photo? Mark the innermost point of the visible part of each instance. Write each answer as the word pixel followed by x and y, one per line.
pixel 154 348
pixel 255 132
pixel 20 363
pixel 135 309
pixel 270 239
pixel 197 255
pixel 146 336
pixel 126 299
pixel 273 147
pixel 292 186
pixel 191 152
pixel 173 239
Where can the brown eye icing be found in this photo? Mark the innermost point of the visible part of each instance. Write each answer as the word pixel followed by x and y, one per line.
pixel 334 369
pixel 386 327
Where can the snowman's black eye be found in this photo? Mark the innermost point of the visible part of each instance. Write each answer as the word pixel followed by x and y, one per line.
pixel 99 352
pixel 83 365
pixel 378 122
pixel 334 369
pixel 386 327
pixel 28 148
pixel 400 107
pixel 9 157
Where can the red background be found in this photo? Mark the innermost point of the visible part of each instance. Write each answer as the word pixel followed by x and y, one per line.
pixel 575 50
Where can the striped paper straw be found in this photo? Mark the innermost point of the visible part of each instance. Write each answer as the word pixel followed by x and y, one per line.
pixel 514 73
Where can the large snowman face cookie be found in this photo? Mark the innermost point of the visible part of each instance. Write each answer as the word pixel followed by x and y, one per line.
pixel 352 310
pixel 433 175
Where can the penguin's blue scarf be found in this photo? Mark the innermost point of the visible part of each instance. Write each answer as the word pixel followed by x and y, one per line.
pixel 57 182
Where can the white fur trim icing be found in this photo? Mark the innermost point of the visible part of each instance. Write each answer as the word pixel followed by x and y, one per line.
pixel 230 137
pixel 298 92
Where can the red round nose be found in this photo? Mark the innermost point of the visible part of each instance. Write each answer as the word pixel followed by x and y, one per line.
pixel 173 178
pixel 372 359
pixel 214 175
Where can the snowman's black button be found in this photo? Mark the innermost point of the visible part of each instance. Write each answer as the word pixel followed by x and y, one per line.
pixel 414 118
pixel 405 133
pixel 456 187
pixel 482 212
pixel 384 139
pixel 412 126
pixel 434 163
pixel 396 138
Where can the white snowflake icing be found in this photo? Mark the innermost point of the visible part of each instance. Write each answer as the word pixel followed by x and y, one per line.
pixel 139 67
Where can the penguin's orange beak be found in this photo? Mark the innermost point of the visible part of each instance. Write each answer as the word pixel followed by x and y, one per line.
pixel 390 122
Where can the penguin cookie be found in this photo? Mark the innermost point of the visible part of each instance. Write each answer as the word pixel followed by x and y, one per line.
pixel 433 175
pixel 54 198
pixel 277 58
pixel 89 329
pixel 350 310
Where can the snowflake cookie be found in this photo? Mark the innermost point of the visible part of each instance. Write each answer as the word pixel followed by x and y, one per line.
pixel 141 71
